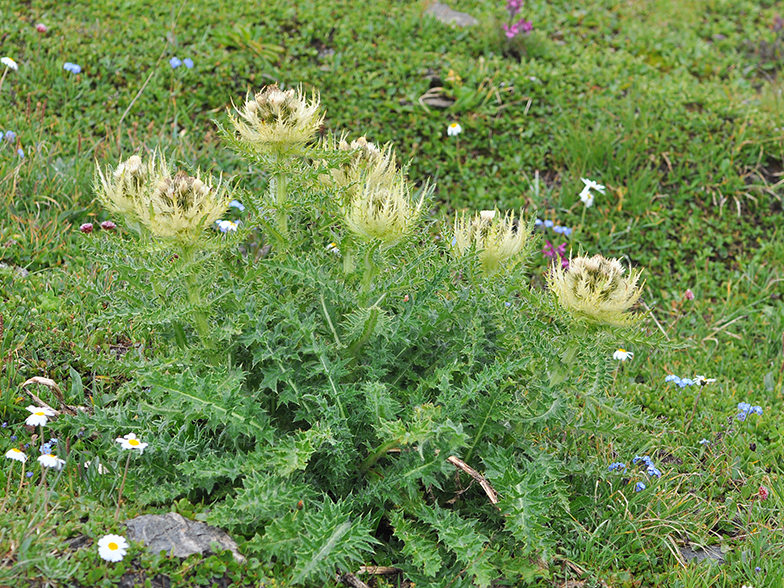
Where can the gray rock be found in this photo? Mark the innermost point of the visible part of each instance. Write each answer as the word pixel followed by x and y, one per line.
pixel 709 552
pixel 21 272
pixel 446 15
pixel 178 536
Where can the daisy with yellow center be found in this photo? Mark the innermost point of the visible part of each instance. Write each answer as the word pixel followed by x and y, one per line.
pixel 49 460
pixel 112 547
pixel 131 442
pixel 623 355
pixel 454 129
pixel 39 416
pixel 16 455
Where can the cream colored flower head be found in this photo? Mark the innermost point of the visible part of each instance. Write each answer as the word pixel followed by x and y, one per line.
pixel 495 238
pixel 49 460
pixel 383 210
pixel 121 189
pixel 595 288
pixel 277 121
pixel 367 164
pixel 175 207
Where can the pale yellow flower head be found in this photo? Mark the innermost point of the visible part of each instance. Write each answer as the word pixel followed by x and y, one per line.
pixel 276 121
pixel 383 210
pixel 368 165
pixel 169 206
pixel 595 288
pixel 181 206
pixel 120 190
pixel 495 238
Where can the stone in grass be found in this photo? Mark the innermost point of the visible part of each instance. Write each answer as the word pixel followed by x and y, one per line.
pixel 446 15
pixel 178 536
pixel 709 552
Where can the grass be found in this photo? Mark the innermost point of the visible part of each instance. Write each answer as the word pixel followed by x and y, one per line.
pixel 674 106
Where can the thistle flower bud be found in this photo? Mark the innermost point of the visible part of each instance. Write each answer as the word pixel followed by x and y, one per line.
pixel 495 239
pixel 383 211
pixel 180 206
pixel 171 207
pixel 120 190
pixel 275 122
pixel 595 288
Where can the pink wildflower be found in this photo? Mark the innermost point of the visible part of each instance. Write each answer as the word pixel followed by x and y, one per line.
pixel 108 226
pixel 41 27
pixel 86 228
pixel 763 493
pixel 689 294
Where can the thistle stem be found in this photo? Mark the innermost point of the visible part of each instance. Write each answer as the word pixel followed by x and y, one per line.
pixel 122 486
pixel 377 454
pixel 200 321
pixel 278 187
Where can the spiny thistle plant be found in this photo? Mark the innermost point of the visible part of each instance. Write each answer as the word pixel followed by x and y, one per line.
pixel 495 238
pixel 276 121
pixel 596 289
pixel 334 414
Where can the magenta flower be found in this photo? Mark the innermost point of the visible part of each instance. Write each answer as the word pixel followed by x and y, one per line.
pixel 41 27
pixel 689 294
pixel 108 226
pixel 86 228
pixel 513 7
pixel 511 31
pixel 549 250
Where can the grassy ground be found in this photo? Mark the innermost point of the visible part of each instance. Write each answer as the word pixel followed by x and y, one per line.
pixel 674 106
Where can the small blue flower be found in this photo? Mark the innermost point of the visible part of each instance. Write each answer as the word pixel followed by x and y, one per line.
pixel 639 487
pixel 558 229
pixel 4 424
pixel 20 152
pixel 758 569
pixel 704 442
pixel 636 459
pixel 618 465
pixel 683 382
pixel 10 136
pixel 72 67
pixel 46 448
pixel 188 62
pixel 454 241
pixel 52 441
pixel 653 471
pixel 756 409
pixel 237 204
pixel 538 222
pixel 1 135
pixel 175 63
pixel 508 304
pixel 548 223
pixel 29 475
pixel 566 231
pixel 744 407
pixel 672 378
pixel 13 437
pixel 741 416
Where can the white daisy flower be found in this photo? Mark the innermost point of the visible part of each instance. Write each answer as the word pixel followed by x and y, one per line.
pixel 333 248
pixel 586 196
pixel 112 547
pixel 8 62
pixel 51 461
pixel 16 455
pixel 454 129
pixel 131 442
pixel 40 416
pixel 226 226
pixel 703 381
pixel 623 355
